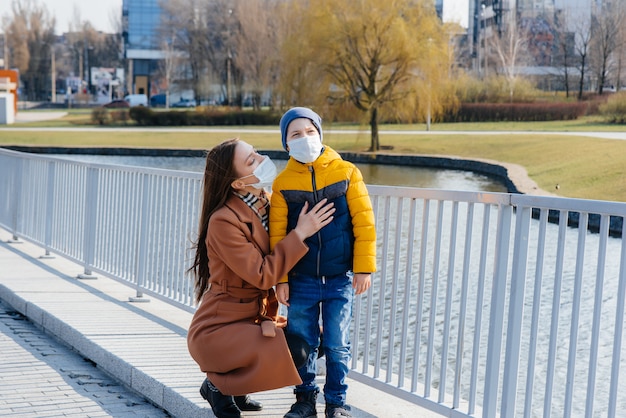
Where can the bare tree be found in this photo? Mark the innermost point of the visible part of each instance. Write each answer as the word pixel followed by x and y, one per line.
pixel 170 63
pixel 607 22
pixel 565 45
pixel 508 46
pixel 582 40
pixel 620 52
pixel 199 26
pixel 256 45
pixel 75 41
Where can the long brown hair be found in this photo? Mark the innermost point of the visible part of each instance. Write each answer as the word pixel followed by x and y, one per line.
pixel 219 173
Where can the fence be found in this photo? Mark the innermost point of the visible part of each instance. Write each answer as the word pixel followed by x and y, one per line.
pixel 482 305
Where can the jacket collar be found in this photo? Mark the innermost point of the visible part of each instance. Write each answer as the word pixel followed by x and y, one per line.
pixel 328 156
pixel 257 233
pixel 239 207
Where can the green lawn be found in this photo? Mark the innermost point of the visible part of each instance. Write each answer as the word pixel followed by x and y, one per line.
pixel 584 167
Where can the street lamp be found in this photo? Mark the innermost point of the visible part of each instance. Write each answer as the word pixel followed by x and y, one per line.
pixel 228 58
pixel 483 27
pixel 53 75
pixel 428 110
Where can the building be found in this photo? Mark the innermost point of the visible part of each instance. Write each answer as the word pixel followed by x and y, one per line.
pixel 140 25
pixel 484 19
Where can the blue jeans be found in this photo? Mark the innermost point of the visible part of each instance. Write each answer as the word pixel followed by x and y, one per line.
pixel 333 297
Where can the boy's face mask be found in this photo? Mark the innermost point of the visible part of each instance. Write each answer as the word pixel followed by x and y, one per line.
pixel 305 149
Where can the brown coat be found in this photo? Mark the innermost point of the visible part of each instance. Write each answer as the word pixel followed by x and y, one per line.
pixel 225 336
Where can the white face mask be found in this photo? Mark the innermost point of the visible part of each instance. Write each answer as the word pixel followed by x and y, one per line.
pixel 305 149
pixel 265 172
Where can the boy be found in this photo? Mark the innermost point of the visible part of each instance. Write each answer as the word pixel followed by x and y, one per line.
pixel 338 264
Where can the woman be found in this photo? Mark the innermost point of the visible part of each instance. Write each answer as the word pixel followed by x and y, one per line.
pixel 233 335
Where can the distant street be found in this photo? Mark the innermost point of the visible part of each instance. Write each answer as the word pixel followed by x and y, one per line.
pixel 605 135
pixel 27 117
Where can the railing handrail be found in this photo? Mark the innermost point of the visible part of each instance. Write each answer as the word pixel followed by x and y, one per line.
pixel 478 299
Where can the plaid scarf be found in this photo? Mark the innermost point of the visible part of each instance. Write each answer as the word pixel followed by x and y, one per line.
pixel 259 205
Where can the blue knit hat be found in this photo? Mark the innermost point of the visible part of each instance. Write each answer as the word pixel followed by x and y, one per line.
pixel 295 113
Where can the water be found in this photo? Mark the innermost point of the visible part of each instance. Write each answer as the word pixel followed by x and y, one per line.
pixel 388 175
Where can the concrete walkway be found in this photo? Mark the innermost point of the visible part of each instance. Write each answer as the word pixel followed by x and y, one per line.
pixel 43 377
pixel 31 116
pixel 139 348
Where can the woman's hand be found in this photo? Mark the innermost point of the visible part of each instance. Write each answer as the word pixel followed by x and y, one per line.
pixel 312 221
pixel 282 293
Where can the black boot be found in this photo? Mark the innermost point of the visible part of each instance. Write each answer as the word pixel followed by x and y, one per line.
pixel 337 411
pixel 223 406
pixel 244 403
pixel 304 406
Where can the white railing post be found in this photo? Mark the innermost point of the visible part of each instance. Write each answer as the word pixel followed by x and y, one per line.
pixel 554 319
pixel 142 242
pixel 89 221
pixel 49 209
pixel 496 316
pixel 619 328
pixel 458 368
pixel 448 302
pixel 516 309
pixel 534 324
pixel 432 320
pixel 394 291
pixel 573 337
pixel 597 317
pixel 16 207
pixel 480 295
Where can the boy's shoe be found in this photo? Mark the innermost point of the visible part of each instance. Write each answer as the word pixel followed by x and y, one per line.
pixel 337 411
pixel 304 406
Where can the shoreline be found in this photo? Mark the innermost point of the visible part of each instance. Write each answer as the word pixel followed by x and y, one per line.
pixel 513 176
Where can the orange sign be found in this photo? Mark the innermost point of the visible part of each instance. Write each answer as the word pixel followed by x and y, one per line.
pixel 13 83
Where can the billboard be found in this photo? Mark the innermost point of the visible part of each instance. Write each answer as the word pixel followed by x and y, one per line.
pixel 107 82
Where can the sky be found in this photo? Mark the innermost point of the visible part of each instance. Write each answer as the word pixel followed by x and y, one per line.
pixel 456 11
pixel 97 12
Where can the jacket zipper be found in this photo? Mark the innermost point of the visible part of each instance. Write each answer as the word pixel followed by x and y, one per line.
pixel 319 235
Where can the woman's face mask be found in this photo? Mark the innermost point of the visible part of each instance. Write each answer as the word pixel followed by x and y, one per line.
pixel 305 149
pixel 265 172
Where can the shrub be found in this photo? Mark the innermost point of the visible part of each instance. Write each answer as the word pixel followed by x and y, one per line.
pixel 119 116
pixel 517 112
pixel 100 116
pixel 141 115
pixel 205 117
pixel 614 110
pixel 495 89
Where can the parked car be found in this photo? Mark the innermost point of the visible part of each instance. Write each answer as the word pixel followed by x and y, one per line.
pixel 184 103
pixel 137 100
pixel 158 100
pixel 115 104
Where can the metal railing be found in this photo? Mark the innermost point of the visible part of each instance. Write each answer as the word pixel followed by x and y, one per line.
pixel 483 304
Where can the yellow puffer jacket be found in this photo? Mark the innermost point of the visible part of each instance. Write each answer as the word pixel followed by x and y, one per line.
pixel 349 241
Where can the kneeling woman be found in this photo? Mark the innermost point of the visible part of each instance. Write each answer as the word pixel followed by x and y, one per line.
pixel 233 335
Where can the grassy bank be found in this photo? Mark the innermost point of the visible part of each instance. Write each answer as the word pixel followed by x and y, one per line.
pixel 583 167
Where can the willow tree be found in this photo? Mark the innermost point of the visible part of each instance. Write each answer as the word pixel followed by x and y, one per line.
pixel 30 37
pixel 369 50
pixel 300 80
